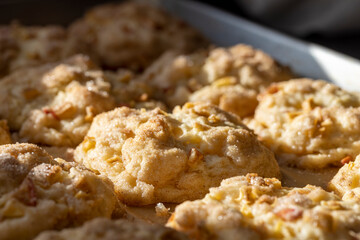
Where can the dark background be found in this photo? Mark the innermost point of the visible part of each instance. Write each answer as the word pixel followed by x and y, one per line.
pixel 347 43
pixel 64 11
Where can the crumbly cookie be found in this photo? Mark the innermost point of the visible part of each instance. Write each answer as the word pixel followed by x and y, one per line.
pixel 54 104
pixel 152 156
pixel 22 46
pixel 346 182
pixel 130 35
pixel 309 124
pixel 105 229
pixel 5 137
pixel 177 76
pixel 38 193
pixel 252 207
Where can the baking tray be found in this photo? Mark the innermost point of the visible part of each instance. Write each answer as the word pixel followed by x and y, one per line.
pixel 222 29
pixel 305 59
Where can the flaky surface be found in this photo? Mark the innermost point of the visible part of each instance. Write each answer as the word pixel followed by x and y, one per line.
pixel 346 182
pixel 54 104
pixel 309 124
pixel 22 46
pixel 130 35
pixel 38 193
pixel 177 76
pixel 105 229
pixel 158 157
pixel 251 207
pixel 5 137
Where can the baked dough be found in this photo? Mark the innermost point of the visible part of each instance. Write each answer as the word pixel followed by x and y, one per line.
pixel 252 207
pixel 54 104
pixel 129 91
pixel 229 96
pixel 130 35
pixel 105 229
pixel 308 123
pixel 38 193
pixel 178 76
pixel 152 156
pixel 346 182
pixel 22 46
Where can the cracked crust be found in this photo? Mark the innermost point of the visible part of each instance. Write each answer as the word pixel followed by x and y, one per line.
pixel 178 76
pixel 309 123
pixel 54 104
pixel 105 229
pixel 38 193
pixel 252 207
pixel 130 35
pixel 158 157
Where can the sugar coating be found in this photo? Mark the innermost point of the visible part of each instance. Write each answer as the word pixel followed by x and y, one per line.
pixel 54 104
pixel 252 207
pixel 153 156
pixel 39 193
pixel 309 123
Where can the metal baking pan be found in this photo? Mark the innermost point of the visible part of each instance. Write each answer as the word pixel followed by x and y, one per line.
pixel 305 59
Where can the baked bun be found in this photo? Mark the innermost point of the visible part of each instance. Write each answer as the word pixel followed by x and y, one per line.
pixel 252 207
pixel 130 35
pixel 308 123
pixel 38 193
pixel 177 77
pixel 153 156
pixel 54 104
